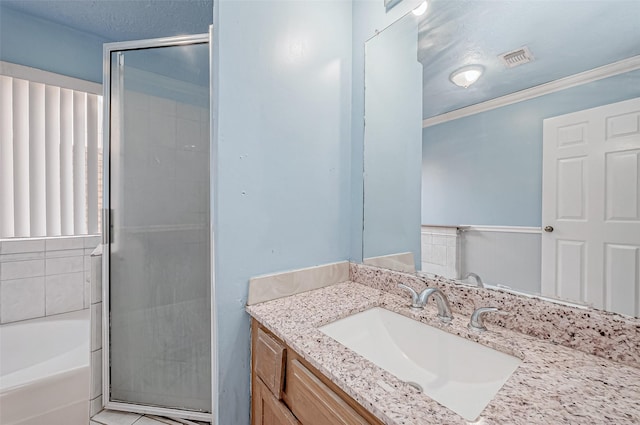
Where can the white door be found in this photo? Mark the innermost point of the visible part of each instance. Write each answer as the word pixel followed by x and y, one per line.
pixel 591 207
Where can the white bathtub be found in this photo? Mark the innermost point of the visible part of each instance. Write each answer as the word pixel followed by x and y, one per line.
pixel 44 371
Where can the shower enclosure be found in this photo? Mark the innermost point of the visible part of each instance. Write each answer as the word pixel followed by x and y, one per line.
pixel 157 273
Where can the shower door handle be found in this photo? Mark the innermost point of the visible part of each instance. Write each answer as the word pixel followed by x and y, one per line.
pixel 107 226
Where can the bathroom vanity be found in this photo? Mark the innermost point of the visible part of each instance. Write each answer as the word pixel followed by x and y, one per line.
pixel 286 389
pixel 302 376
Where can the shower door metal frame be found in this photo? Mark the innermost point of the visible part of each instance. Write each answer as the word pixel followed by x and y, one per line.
pixel 108 49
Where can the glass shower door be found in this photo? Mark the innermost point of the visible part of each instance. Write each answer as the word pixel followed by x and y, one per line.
pixel 158 264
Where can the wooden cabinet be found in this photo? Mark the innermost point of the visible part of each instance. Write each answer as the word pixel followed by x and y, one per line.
pixel 267 409
pixel 314 402
pixel 287 390
pixel 269 361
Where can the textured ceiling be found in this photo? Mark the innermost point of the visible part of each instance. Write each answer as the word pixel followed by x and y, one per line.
pixel 565 37
pixel 122 20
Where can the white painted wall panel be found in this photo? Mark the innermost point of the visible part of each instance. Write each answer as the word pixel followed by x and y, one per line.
pixel 506 258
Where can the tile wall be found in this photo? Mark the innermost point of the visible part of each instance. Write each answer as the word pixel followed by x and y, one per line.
pixel 95 395
pixel 440 251
pixel 44 276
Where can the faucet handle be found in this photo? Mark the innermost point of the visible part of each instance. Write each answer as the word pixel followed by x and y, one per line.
pixel 476 323
pixel 415 298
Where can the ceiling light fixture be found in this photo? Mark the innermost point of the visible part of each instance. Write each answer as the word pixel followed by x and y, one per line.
pixel 420 9
pixel 466 75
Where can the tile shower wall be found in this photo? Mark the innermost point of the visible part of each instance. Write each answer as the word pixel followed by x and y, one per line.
pixel 440 251
pixel 43 277
pixel 95 279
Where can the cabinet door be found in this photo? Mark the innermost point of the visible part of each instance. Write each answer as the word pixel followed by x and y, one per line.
pixel 269 361
pixel 267 410
pixel 314 403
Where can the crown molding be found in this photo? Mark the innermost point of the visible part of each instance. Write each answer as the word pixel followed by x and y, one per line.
pixel 615 68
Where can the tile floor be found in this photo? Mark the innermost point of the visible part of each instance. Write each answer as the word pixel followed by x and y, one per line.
pixel 112 417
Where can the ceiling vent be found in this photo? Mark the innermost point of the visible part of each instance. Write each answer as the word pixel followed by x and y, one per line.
pixel 516 57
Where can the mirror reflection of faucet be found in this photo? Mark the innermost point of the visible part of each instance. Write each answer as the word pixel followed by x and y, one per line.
pixel 477 278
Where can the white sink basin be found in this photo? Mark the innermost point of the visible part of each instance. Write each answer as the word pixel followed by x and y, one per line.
pixel 459 374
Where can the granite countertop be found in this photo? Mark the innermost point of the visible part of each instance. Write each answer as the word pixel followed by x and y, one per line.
pixel 553 385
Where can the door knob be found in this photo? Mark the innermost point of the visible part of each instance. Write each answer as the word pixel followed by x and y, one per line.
pixel 548 229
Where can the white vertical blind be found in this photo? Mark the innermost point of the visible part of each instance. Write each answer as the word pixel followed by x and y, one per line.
pixel 37 185
pixel 52 148
pixel 66 160
pixel 49 159
pixel 21 157
pixel 79 162
pixel 6 157
pixel 92 162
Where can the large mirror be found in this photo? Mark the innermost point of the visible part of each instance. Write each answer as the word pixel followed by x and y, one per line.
pixel 528 176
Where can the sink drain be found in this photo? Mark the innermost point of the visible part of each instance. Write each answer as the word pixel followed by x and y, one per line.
pixel 414 385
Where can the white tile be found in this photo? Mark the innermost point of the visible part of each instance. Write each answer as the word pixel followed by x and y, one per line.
pixel 92 241
pixel 435 254
pixel 22 256
pixel 451 257
pixel 64 253
pixel 20 246
pixel 21 269
pixel 96 279
pixel 441 240
pixel 95 406
pixel 22 299
pixel 57 244
pixel 112 417
pixel 64 292
pixel 64 265
pixel 86 291
pixel 162 420
pixel 145 420
pixel 96 374
pixel 96 326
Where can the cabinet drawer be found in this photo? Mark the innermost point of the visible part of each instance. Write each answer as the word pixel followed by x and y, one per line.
pixel 269 362
pixel 313 402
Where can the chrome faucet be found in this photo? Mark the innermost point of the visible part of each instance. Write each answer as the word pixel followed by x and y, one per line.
pixel 479 282
pixel 418 301
pixel 476 323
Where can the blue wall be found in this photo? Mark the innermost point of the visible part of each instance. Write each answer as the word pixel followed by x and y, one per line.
pixel 486 169
pixel 282 72
pixel 34 42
